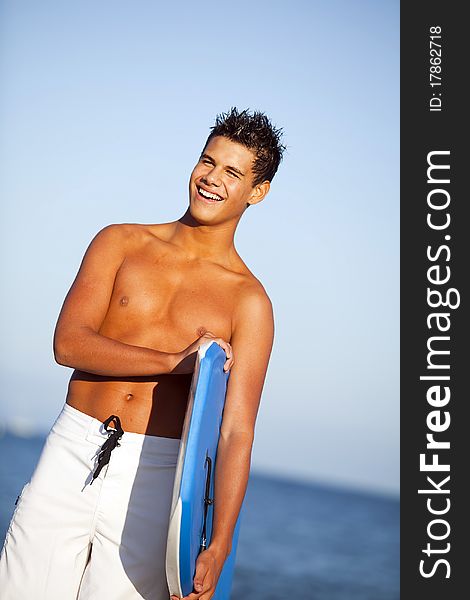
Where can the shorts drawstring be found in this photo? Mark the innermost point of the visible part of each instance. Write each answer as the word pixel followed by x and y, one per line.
pixel 113 440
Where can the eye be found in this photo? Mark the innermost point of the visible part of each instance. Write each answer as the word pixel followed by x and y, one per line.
pixel 232 174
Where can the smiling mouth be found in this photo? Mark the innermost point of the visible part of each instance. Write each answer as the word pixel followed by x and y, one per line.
pixel 208 196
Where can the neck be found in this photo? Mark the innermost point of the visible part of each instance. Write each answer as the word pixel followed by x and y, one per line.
pixel 215 242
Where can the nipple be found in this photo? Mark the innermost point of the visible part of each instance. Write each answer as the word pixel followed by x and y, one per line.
pixel 124 301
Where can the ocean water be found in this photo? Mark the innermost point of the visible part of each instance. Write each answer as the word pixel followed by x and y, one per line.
pixel 296 540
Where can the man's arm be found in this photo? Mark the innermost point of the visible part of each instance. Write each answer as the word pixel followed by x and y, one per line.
pixel 252 341
pixel 77 343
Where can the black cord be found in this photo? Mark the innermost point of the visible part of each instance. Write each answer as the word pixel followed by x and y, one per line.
pixel 207 502
pixel 113 440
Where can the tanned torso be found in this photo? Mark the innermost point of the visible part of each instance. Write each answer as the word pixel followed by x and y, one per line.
pixel 161 299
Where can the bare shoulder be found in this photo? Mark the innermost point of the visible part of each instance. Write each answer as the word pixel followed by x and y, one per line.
pixel 129 236
pixel 253 305
pixel 117 233
pixel 253 291
pixel 130 230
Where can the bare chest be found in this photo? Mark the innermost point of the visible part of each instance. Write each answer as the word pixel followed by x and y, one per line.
pixel 163 303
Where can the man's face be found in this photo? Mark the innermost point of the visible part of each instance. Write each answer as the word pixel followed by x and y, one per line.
pixel 224 170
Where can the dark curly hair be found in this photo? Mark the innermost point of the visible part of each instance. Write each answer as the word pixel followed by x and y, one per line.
pixel 256 133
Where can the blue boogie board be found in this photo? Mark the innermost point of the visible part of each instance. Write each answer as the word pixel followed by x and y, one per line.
pixel 193 492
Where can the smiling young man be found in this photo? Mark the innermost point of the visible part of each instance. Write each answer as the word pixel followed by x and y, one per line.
pixel 93 520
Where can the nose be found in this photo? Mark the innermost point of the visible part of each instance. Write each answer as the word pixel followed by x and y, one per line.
pixel 212 177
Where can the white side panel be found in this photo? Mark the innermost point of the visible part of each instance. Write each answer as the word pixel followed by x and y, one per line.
pixel 173 552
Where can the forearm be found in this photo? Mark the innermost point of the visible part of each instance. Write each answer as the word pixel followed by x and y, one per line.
pixel 94 353
pixel 231 480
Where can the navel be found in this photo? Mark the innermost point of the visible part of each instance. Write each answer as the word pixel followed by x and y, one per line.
pixel 124 301
pixel 129 396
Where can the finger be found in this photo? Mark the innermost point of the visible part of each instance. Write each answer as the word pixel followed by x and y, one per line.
pixel 200 577
pixel 225 346
pixel 230 360
pixel 208 594
pixel 207 583
pixel 222 343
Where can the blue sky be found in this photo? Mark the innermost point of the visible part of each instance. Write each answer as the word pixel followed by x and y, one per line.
pixel 103 112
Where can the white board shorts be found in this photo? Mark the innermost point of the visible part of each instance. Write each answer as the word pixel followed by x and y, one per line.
pixel 71 540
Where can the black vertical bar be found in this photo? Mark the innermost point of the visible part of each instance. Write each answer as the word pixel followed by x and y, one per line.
pixel 423 131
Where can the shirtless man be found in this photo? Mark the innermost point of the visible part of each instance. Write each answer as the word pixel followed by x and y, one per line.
pixel 145 298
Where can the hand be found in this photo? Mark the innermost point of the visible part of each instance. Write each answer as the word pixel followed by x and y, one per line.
pixel 208 568
pixel 187 358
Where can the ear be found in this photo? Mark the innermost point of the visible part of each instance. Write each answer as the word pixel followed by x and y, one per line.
pixel 259 192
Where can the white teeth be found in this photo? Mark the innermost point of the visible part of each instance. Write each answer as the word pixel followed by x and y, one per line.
pixel 208 194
